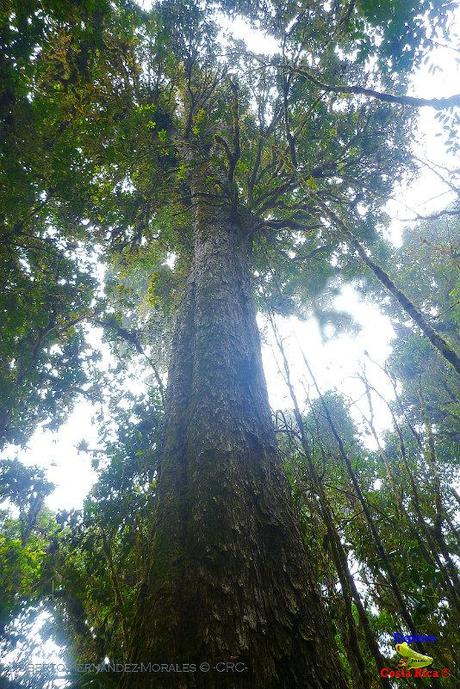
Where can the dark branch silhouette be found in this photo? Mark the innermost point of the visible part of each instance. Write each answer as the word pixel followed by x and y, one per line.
pixel 437 103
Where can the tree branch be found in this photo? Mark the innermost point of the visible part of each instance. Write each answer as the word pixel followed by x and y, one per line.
pixel 437 103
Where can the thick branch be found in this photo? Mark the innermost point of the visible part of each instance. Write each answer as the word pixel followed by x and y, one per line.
pixel 434 337
pixel 437 103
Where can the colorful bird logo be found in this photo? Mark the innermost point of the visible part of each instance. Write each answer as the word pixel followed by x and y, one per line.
pixel 410 658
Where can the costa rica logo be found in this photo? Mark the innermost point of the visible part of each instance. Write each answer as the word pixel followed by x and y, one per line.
pixel 413 664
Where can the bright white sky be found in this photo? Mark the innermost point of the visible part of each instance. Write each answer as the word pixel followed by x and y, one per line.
pixel 335 362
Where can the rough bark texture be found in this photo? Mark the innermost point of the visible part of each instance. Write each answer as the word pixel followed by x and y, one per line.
pixel 230 576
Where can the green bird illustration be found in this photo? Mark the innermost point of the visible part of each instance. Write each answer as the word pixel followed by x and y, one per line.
pixel 411 658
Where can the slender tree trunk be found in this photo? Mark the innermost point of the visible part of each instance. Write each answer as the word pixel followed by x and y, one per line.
pixel 434 337
pixel 230 577
pixel 350 593
pixel 453 594
pixel 431 457
pixel 380 548
pixel 339 556
pixel 430 555
pixel 455 495
pixel 398 496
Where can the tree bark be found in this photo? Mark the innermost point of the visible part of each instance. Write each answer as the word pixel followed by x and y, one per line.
pixel 230 577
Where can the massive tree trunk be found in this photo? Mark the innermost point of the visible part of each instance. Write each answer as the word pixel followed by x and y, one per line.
pixel 230 578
